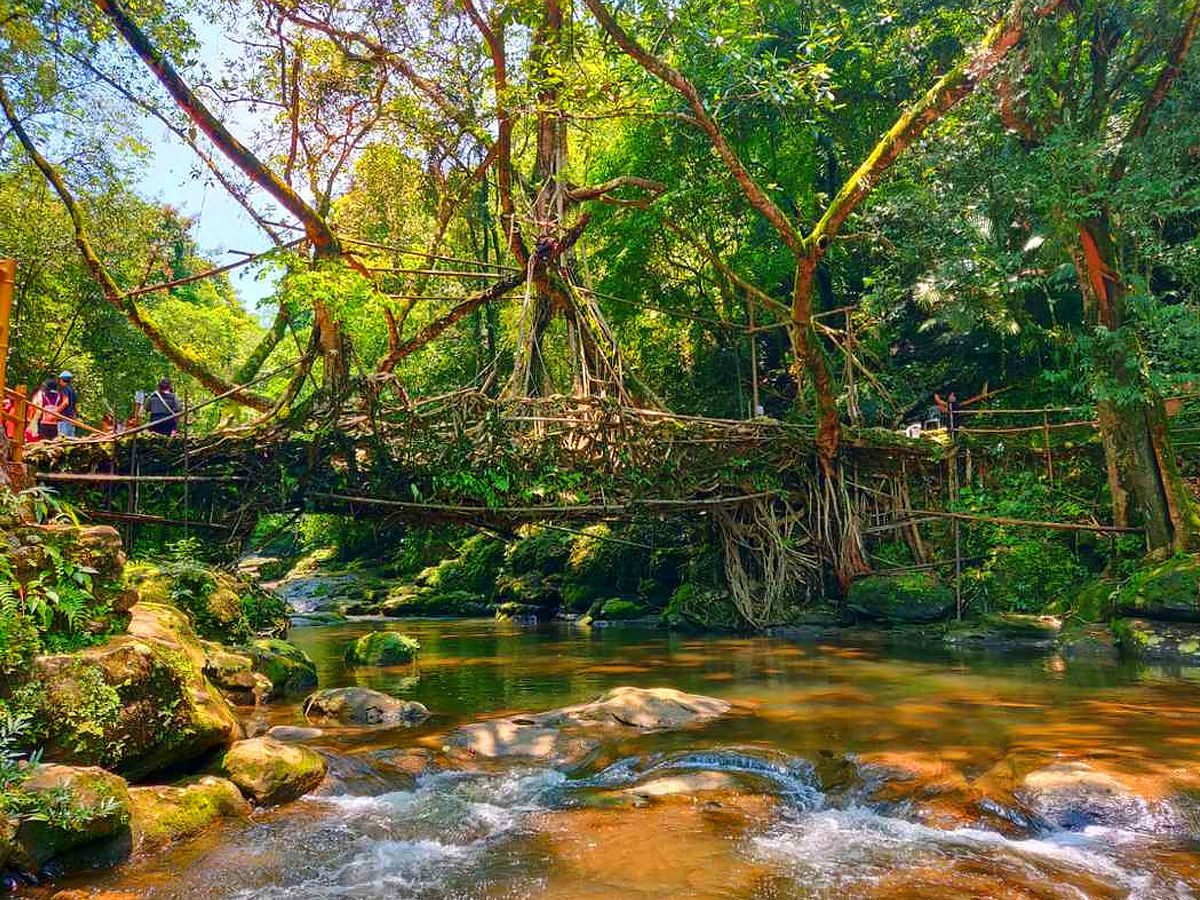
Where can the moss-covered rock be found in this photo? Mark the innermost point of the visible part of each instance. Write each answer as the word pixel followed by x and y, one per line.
pixel 233 673
pixel 164 814
pixel 1164 590
pixel 1090 640
pixel 1090 601
pixel 136 704
pixel 76 806
pixel 269 772
pixel 697 606
pixel 363 706
pixel 71 579
pixel 382 648
pixel 1006 630
pixel 413 601
pixel 900 598
pixel 222 606
pixel 1154 640
pixel 617 610
pixel 288 668
pixel 472 571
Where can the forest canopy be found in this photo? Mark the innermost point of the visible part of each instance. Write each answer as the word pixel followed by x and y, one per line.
pixel 830 212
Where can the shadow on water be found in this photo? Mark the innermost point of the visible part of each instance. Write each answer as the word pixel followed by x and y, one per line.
pixel 846 769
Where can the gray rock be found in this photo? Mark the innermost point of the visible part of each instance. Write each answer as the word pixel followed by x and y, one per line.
pixel 363 706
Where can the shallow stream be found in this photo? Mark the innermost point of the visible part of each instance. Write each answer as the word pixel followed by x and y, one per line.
pixel 864 770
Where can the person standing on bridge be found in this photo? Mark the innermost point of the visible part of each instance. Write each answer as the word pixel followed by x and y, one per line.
pixel 163 408
pixel 66 391
pixel 46 404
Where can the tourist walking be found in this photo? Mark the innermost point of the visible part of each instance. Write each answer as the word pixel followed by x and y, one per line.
pixel 47 404
pixel 162 407
pixel 66 390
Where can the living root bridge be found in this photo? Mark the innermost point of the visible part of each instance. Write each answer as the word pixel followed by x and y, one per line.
pixel 472 459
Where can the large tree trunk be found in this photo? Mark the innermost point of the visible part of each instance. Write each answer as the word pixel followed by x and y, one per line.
pixel 808 350
pixel 1142 473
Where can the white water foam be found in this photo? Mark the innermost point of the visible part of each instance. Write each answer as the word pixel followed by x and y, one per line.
pixel 410 844
pixel 832 850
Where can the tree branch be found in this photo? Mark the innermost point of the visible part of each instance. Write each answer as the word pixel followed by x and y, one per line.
pixel 315 227
pixel 675 79
pixel 1162 85
pixel 948 91
pixel 108 287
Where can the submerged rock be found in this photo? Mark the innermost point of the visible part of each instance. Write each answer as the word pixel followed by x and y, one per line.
pixel 647 708
pixel 136 704
pixel 363 706
pixel 164 814
pixel 289 669
pixel 270 772
pixel 382 648
pixel 293 733
pixel 1158 641
pixel 1074 795
pixel 91 805
pixel 900 598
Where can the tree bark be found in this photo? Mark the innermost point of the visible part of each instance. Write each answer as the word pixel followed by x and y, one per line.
pixel 1143 476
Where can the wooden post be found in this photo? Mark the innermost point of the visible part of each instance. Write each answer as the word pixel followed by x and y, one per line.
pixel 958 602
pixel 1046 439
pixel 183 422
pixel 19 411
pixel 753 362
pixel 8 275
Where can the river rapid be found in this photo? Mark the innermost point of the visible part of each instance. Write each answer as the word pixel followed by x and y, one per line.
pixel 849 769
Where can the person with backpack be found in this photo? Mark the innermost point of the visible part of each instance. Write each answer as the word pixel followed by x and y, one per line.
pixel 47 403
pixel 162 407
pixel 66 391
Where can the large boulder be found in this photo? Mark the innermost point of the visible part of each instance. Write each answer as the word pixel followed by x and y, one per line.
pixel 1006 630
pixel 363 706
pixel 1153 640
pixel 79 806
pixel 646 708
pixel 288 668
pixel 136 704
pixel 222 606
pixel 164 814
pixel 233 673
pixel 270 772
pixel 1165 590
pixel 382 648
pixel 900 599
pixel 565 736
pixel 411 600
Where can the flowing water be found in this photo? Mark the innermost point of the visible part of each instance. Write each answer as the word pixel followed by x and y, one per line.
pixel 846 770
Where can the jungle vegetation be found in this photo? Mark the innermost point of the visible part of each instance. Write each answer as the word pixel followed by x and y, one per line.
pixel 831 210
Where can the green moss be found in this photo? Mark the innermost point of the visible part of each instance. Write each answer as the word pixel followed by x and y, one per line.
pixel 1091 601
pixel 1166 590
pixel 382 648
pixel 913 597
pixel 161 815
pixel 617 609
pixel 289 668
pixel 268 771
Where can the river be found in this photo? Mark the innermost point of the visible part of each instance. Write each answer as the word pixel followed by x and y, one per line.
pixel 846 770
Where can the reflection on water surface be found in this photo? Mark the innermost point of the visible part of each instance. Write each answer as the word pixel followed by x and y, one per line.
pixel 864 770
